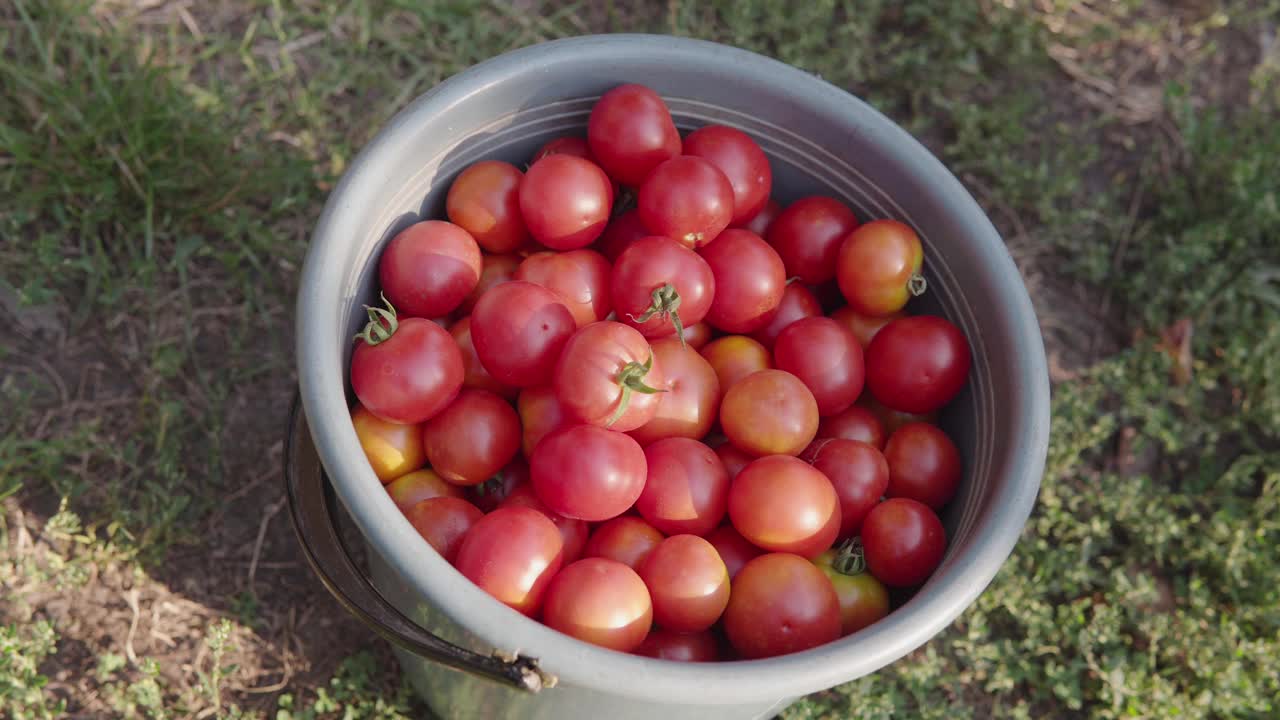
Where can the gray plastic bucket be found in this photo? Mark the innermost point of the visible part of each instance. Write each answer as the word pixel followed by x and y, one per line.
pixel 820 139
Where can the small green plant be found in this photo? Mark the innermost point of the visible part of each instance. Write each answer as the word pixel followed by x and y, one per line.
pixel 359 690
pixel 22 685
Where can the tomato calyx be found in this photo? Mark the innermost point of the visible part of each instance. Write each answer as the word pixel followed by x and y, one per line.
pixel 850 559
pixel 665 304
pixel 382 323
pixel 916 284
pixel 631 379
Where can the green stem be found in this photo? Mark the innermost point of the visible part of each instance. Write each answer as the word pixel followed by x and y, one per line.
pixel 916 284
pixel 665 303
pixel 850 559
pixel 382 323
pixel 631 379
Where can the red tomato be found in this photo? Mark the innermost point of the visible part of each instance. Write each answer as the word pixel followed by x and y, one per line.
pixel 409 490
pixel 917 364
pixel 680 647
pixel 741 160
pixel 626 538
pixel 855 423
pixel 540 414
pixel 588 472
pixel 687 487
pixel 392 449
pixel 620 233
pixel 573 533
pixel 734 459
pixel 797 303
pixel 863 599
pixel 512 554
pixel 734 549
pixel 485 201
pixel 568 145
pixel 474 374
pixel 405 371
pixel 826 358
pixel 863 327
pixel 688 583
pixel 891 419
pixel 429 268
pixel 519 329
pixel 697 335
pixel 923 464
pixel 879 267
pixel 769 412
pixel 686 199
pixel 490 493
pixel 630 132
pixel 565 201
pixel 807 236
pixel 857 471
pixel 495 270
pixel 782 504
pixel 443 522
pixel 600 601
pixel 904 541
pixel 607 375
pixel 472 438
pixel 734 357
pixel 759 224
pixel 781 604
pixel 658 286
pixel 750 280
pixel 579 277
pixel 692 400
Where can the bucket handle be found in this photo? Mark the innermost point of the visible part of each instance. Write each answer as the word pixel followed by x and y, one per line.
pixel 314 510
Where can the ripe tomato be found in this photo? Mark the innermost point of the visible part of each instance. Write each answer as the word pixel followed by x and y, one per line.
pixel 405 371
pixel 686 199
pixel 807 236
pixel 658 286
pixel 863 327
pixel 540 414
pixel 734 459
pixel 782 504
pixel 565 201
pixel 630 132
pixel 903 541
pixel 579 277
pixel 599 601
pixel 485 201
pixel 688 583
pixel 607 375
pixel 494 270
pixel 568 145
pixel 474 375
pixel 917 364
pixel 781 604
pixel 826 358
pixel 519 329
pixel 798 303
pixel 769 412
pixel 392 449
pixel 443 522
pixel 687 487
pixel 857 471
pixel 750 279
pixel 863 599
pixel 429 268
pixel 697 335
pixel 923 464
pixel 855 423
pixel 734 549
pixel 588 472
pixel 409 490
pixel 691 403
pixel 734 357
pixel 626 538
pixel 759 224
pixel 741 160
pixel 680 647
pixel 472 438
pixel 573 533
pixel 512 554
pixel 620 233
pixel 879 267
pixel 890 420
pixel 490 493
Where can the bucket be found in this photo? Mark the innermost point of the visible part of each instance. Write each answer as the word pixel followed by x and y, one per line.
pixel 469 655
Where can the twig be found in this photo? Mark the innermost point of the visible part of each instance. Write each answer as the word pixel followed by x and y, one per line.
pixel 262 533
pixel 131 597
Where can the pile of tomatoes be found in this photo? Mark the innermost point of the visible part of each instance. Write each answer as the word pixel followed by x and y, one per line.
pixel 646 426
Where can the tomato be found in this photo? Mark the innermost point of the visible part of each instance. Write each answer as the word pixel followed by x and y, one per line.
pixel 472 438
pixel 863 327
pixel 688 583
pixel 512 554
pixel 626 538
pixel 607 375
pixel 490 493
pixel 760 222
pixel 588 472
pixel 855 423
pixel 620 233
pixel 429 268
pixel 599 601
pixel 769 412
pixel 781 604
pixel 405 371
pixel 568 145
pixel 750 280
pixel 734 549
pixel 903 541
pixel 923 464
pixel 658 286
pixel 443 522
pixel 741 160
pixel 691 402
pixel 734 357
pixel 392 449
pixel 687 487
pixel 890 420
pixel 579 277
pixel 807 235
pixel 573 533
pixel 917 364
pixel 540 414
pixel 782 504
pixel 680 647
pixel 630 132
pixel 485 201
pixel 697 335
pixel 863 599
pixel 879 267
pixel 734 459
pixel 826 358
pixel 857 471
pixel 409 490
pixel 797 303
pixel 565 201
pixel 519 329
pixel 686 199
pixel 474 374
pixel 494 270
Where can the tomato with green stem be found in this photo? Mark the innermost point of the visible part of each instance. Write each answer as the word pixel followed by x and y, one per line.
pixel 392 449
pixel 472 438
pixel 863 599
pixel 429 268
pixel 519 329
pixel 607 376
pixel 565 201
pixel 579 277
pixel 688 583
pixel 405 370
pixel 878 267
pixel 750 279
pixel 588 472
pixel 512 554
pixel 781 603
pixel 484 200
pixel 599 601
pixel 691 403
pixel 782 504
pixel 658 286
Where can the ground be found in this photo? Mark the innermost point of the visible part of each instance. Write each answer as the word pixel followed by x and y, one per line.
pixel 162 161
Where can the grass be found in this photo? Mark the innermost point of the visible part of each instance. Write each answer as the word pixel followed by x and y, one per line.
pixel 158 175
